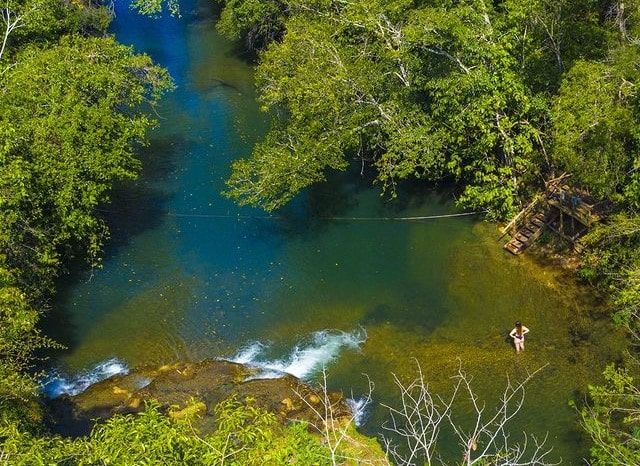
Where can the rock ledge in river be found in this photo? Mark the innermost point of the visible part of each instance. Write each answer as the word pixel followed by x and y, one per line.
pixel 173 386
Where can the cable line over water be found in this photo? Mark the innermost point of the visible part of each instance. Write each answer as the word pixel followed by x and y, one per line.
pixel 276 217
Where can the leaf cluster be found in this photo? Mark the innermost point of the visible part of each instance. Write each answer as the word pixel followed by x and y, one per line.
pixel 612 419
pixel 244 435
pixel 65 142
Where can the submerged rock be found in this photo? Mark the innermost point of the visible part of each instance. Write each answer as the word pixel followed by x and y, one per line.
pixel 176 386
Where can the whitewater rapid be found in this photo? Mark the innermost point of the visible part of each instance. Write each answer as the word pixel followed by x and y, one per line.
pixel 57 384
pixel 305 360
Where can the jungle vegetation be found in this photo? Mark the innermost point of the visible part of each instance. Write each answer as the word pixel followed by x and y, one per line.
pixel 496 96
pixel 74 108
pixel 71 116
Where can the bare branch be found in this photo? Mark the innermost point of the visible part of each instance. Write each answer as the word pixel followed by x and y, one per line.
pixel 419 420
pixel 335 428
pixel 11 21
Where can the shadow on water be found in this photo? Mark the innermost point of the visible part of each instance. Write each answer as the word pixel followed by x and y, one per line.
pixel 417 310
pixel 338 199
pixel 414 194
pixel 136 207
pixel 312 212
pixel 203 285
pixel 209 11
pixel 381 314
pixel 140 205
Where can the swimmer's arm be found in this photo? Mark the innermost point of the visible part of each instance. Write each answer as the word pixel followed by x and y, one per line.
pixel 513 333
pixel 524 330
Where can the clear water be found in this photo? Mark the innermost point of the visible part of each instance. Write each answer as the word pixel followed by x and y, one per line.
pixel 188 275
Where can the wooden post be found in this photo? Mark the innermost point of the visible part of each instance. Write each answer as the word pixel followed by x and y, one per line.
pixel 573 226
pixel 512 225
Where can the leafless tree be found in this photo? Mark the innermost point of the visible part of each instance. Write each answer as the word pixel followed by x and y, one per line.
pixel 334 425
pixel 418 421
pixel 422 415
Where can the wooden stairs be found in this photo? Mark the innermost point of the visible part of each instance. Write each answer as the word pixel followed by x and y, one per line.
pixel 567 212
pixel 526 235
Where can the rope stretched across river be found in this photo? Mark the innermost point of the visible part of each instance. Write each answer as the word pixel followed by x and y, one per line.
pixel 274 217
pixel 426 217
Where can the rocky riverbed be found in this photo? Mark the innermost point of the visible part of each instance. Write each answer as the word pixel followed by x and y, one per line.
pixel 200 386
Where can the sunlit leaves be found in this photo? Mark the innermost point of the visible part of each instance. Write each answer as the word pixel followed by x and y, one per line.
pixel 421 92
pixel 612 419
pixel 156 7
pixel 596 126
pixel 69 140
pixel 244 435
pixel 257 22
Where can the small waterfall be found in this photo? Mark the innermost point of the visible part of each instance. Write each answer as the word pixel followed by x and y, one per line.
pixel 305 359
pixel 57 384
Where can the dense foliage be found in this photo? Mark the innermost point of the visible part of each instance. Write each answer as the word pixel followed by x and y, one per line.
pixel 74 108
pixel 71 115
pixel 613 419
pixel 156 7
pixel 66 142
pixel 244 435
pixel 495 95
pixel 19 336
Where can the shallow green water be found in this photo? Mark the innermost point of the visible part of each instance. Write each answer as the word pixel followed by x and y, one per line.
pixel 189 275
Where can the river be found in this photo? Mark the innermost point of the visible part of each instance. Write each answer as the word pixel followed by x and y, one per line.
pixel 187 274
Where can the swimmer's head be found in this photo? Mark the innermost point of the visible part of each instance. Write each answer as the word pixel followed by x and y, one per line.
pixel 518 324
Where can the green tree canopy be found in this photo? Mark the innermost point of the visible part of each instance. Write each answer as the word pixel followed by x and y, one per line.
pixel 73 108
pixel 244 435
pixel 65 141
pixel 596 125
pixel 156 7
pixel 428 90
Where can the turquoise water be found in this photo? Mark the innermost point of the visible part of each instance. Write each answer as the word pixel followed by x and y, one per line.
pixel 187 274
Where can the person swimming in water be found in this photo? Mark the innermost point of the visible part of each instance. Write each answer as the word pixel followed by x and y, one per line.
pixel 518 334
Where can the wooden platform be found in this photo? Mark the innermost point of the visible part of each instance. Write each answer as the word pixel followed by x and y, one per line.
pixel 527 234
pixel 572 204
pixel 568 212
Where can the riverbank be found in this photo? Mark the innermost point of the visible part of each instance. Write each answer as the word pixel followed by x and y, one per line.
pixel 205 384
pixel 194 391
